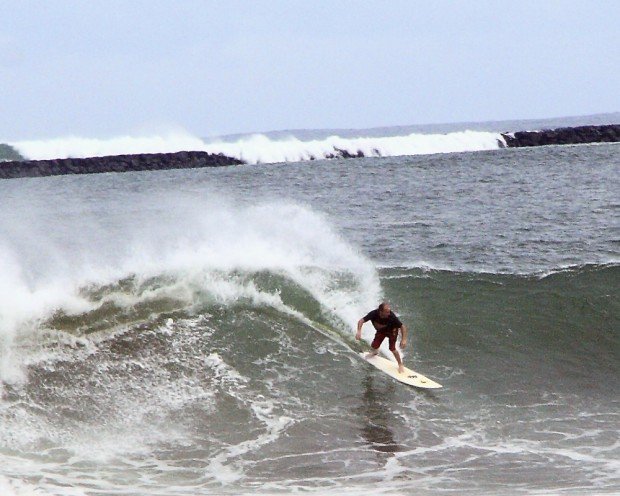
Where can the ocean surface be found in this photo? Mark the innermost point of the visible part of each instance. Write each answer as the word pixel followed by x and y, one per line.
pixel 191 332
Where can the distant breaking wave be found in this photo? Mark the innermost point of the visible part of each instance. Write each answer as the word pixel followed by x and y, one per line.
pixel 259 148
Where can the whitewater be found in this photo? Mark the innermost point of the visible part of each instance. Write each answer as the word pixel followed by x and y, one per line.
pixel 259 148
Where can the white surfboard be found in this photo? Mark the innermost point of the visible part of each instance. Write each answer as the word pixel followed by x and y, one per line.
pixel 409 376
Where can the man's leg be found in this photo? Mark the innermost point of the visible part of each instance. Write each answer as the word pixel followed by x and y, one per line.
pixel 376 343
pixel 401 367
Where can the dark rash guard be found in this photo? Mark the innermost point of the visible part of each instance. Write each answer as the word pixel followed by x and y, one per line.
pixel 383 325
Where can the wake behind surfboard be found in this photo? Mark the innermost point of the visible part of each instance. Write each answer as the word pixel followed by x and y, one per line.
pixel 409 377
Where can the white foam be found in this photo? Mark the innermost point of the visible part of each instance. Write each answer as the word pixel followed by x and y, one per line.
pixel 81 147
pixel 225 467
pixel 15 487
pixel 259 148
pixel 203 247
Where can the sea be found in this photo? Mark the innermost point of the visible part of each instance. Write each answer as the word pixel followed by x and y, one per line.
pixel 191 332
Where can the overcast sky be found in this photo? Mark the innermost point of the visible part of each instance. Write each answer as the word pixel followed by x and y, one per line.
pixel 106 68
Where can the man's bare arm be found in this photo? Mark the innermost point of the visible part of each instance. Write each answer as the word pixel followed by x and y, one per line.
pixel 403 340
pixel 358 334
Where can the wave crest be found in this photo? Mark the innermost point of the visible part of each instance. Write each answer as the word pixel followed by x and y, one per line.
pixel 209 251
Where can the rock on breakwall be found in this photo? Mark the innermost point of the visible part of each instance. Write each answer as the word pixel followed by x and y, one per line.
pixel 116 163
pixel 564 136
pixel 8 153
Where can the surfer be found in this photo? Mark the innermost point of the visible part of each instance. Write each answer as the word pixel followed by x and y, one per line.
pixel 387 325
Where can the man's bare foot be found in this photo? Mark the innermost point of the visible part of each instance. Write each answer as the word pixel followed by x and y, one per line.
pixel 372 353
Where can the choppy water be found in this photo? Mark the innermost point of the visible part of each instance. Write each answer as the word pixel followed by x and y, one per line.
pixel 190 332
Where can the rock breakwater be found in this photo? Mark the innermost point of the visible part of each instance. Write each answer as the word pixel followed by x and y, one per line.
pixel 564 136
pixel 116 163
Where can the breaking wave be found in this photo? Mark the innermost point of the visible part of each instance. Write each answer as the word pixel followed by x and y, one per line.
pixel 84 276
pixel 259 148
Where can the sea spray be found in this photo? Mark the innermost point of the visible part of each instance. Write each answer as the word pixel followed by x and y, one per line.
pixel 174 247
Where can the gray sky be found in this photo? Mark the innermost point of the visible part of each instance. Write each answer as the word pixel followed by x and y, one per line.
pixel 106 68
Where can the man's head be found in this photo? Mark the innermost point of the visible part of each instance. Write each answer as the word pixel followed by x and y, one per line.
pixel 384 309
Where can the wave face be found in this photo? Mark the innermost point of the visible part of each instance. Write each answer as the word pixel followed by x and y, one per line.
pixel 243 380
pixel 260 148
pixel 558 330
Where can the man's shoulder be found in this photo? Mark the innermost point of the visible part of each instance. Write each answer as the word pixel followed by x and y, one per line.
pixel 373 314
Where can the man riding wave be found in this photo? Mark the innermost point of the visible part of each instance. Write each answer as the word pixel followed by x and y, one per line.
pixel 387 325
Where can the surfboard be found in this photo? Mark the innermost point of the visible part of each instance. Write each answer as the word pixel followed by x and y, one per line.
pixel 409 377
